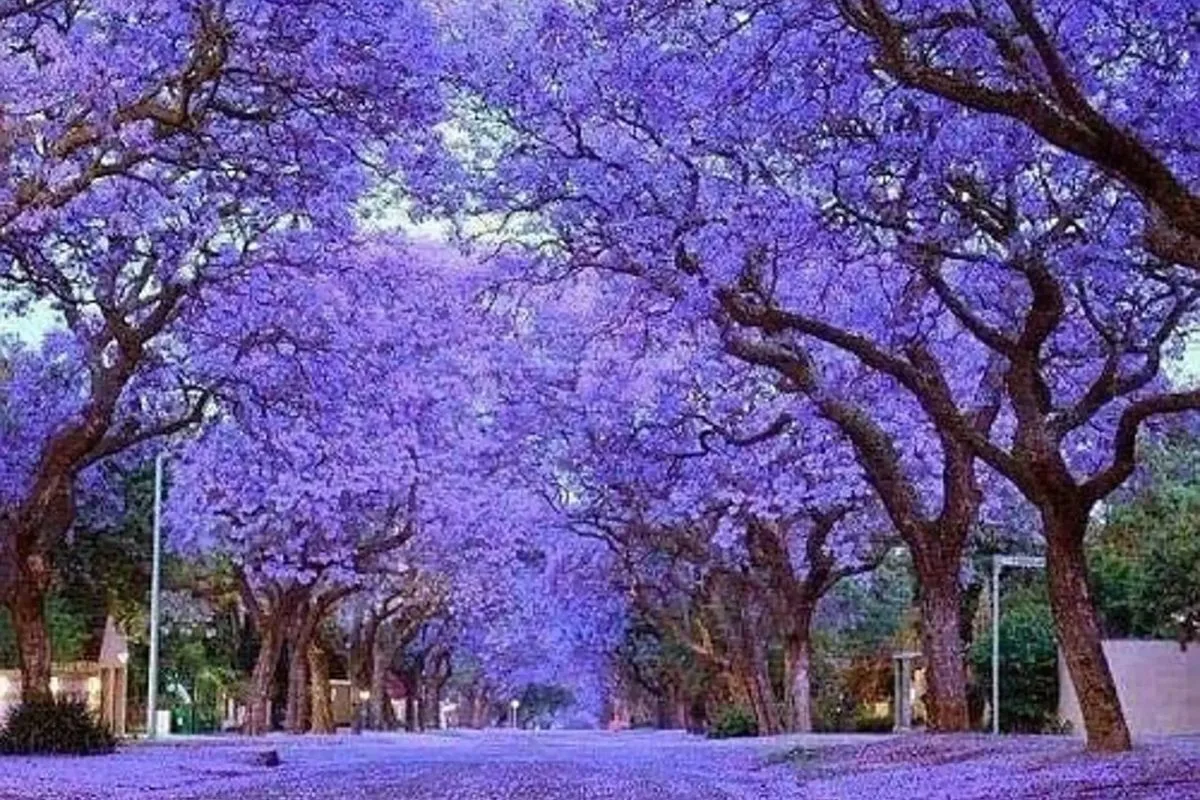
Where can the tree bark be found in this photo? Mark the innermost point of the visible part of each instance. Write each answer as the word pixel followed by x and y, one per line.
pixel 322 704
pixel 1079 633
pixel 412 717
pixel 299 705
pixel 361 657
pixel 381 658
pixel 797 678
pixel 754 692
pixel 941 610
pixel 430 705
pixel 475 714
pixel 258 719
pixel 770 721
pixel 28 610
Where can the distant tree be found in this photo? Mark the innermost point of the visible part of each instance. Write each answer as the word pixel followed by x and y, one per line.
pixel 542 702
pixel 1028 658
pixel 1145 557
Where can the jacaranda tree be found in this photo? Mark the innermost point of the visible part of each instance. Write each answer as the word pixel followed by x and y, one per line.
pixel 151 159
pixel 963 233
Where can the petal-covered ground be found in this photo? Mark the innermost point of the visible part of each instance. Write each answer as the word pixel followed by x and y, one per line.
pixel 626 766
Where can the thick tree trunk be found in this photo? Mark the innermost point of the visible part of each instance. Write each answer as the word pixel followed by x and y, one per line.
pixel 298 713
pixel 381 658
pixel 476 713
pixel 1079 633
pixel 412 717
pixel 258 720
pixel 946 680
pixel 299 699
pixel 755 688
pixel 322 704
pixel 28 610
pixel 431 700
pixel 798 684
pixel 361 660
pixel 770 721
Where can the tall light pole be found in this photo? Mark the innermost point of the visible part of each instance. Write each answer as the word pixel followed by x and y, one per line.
pixel 514 705
pixel 155 569
pixel 999 563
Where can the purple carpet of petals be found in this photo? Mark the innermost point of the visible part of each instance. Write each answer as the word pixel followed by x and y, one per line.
pixel 627 766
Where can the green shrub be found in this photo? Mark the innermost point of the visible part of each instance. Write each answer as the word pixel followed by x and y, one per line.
pixel 733 721
pixel 867 721
pixel 1028 662
pixel 54 726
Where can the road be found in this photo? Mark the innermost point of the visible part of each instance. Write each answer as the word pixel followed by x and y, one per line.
pixel 445 766
pixel 597 765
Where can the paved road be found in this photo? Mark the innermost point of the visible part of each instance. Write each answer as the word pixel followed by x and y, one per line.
pixel 540 767
pixel 452 766
pixel 626 766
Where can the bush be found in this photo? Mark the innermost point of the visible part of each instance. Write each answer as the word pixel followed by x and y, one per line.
pixel 867 721
pixel 1028 663
pixel 733 721
pixel 54 726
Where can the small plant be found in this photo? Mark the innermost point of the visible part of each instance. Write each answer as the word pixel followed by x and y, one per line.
pixel 733 721
pixel 64 727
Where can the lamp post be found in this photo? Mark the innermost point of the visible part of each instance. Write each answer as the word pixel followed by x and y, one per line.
pixel 155 569
pixel 514 705
pixel 999 563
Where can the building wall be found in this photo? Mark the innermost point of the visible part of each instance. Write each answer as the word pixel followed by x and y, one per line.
pixel 1159 687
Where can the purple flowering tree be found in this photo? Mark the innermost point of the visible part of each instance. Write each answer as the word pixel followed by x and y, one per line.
pixel 352 437
pixel 152 161
pixel 962 234
pixel 618 221
pixel 726 510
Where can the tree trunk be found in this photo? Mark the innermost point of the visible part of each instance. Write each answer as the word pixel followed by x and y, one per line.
pixel 297 714
pixel 322 704
pixel 477 704
pixel 1079 633
pixel 258 720
pixel 430 705
pixel 381 658
pixel 361 660
pixel 771 721
pixel 299 699
pixel 756 691
pixel 412 717
pixel 945 672
pixel 28 610
pixel 797 679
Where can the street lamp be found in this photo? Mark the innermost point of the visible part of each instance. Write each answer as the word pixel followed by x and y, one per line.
pixel 514 705
pixel 155 569
pixel 999 563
